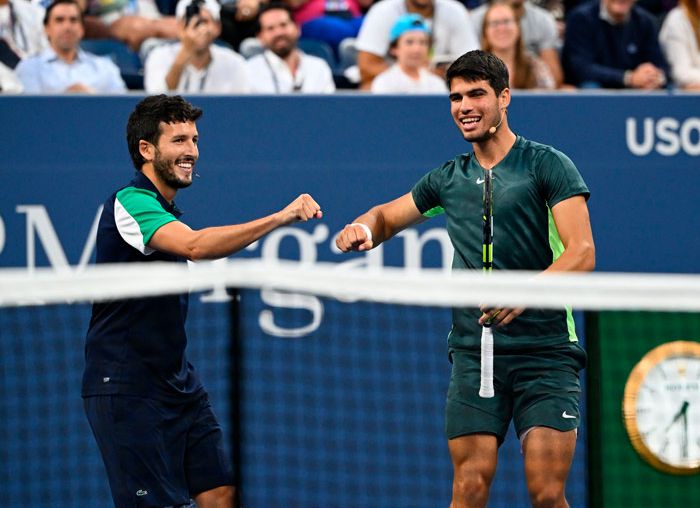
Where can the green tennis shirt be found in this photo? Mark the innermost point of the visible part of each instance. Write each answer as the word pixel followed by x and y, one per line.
pixel 527 183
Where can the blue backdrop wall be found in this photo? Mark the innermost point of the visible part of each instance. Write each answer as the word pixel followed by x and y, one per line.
pixel 329 415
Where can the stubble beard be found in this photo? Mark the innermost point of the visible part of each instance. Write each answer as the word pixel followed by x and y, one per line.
pixel 285 50
pixel 165 170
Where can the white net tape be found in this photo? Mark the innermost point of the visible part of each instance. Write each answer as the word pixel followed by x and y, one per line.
pixel 427 287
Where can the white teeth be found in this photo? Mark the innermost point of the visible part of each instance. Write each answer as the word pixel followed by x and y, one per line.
pixel 185 165
pixel 466 121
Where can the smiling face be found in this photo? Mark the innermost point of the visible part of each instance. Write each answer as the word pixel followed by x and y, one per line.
pixel 278 32
pixel 475 108
pixel 501 29
pixel 175 155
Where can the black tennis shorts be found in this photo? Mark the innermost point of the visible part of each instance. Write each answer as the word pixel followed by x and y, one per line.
pixel 158 453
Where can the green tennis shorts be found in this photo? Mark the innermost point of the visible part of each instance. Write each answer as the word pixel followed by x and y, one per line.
pixel 534 388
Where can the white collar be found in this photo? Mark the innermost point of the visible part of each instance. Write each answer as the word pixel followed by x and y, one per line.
pixel 605 16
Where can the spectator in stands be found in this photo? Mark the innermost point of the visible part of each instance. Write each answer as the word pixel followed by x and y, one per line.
pixel 64 67
pixel 557 10
pixel 680 41
pixel 8 81
pixel 501 36
pixel 329 21
pixel 539 31
pixel 282 67
pixel 613 44
pixel 409 45
pixel 452 33
pixel 239 20
pixel 129 21
pixel 195 64
pixel 21 33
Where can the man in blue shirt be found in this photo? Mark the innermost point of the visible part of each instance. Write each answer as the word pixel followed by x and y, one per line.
pixel 613 44
pixel 64 67
pixel 159 438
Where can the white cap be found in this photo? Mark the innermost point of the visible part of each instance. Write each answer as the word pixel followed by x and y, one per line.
pixel 212 6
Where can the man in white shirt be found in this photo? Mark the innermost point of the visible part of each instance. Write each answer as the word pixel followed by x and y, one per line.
pixel 448 20
pixel 21 27
pixel 539 32
pixel 282 67
pixel 64 67
pixel 196 64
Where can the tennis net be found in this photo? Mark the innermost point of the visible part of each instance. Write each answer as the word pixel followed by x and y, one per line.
pixel 330 382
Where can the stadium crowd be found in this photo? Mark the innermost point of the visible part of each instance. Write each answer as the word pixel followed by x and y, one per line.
pixel 320 46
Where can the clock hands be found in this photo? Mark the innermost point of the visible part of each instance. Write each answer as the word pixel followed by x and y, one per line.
pixel 682 414
pixel 684 442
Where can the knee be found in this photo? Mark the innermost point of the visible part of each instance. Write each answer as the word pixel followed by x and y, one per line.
pixel 471 486
pixel 548 496
pixel 220 497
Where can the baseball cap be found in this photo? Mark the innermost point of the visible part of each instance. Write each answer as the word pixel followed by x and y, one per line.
pixel 212 6
pixel 408 23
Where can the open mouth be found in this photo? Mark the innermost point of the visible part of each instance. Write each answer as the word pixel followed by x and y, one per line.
pixel 186 164
pixel 469 121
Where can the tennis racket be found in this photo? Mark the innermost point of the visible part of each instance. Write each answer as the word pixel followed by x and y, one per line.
pixel 486 388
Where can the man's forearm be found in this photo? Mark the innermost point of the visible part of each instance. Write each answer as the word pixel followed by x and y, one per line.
pixel 221 241
pixel 172 78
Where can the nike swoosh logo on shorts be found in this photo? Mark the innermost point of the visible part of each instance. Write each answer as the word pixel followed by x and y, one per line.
pixel 567 415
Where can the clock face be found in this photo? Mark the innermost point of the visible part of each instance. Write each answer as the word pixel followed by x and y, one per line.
pixel 662 407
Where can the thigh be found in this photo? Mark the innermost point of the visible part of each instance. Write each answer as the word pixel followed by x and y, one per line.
pixel 548 454
pixel 546 388
pixel 207 462
pixel 142 443
pixel 474 455
pixel 466 412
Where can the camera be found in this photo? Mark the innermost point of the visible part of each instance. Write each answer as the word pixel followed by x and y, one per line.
pixel 192 11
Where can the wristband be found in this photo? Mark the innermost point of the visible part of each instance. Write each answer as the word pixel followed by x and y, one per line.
pixel 366 229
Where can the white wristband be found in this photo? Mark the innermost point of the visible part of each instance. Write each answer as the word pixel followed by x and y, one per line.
pixel 365 227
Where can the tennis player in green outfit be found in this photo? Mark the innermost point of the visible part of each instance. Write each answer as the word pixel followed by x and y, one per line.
pixel 540 223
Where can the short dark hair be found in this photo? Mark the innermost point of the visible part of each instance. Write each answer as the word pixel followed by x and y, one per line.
pixel 477 65
pixel 51 7
pixel 273 6
pixel 144 121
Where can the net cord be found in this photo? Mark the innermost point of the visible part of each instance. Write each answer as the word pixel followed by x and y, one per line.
pixel 425 287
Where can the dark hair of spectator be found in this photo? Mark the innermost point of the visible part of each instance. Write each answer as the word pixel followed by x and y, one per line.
pixel 50 8
pixel 144 122
pixel 479 65
pixel 273 6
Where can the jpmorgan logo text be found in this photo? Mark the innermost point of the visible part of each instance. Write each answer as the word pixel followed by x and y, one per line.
pixel 666 136
pixel 41 236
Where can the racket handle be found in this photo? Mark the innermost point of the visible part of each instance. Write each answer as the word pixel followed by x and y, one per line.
pixel 486 389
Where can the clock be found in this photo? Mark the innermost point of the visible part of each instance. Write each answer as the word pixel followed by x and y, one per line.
pixel 661 407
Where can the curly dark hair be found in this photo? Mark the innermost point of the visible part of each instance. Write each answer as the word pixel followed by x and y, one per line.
pixel 144 122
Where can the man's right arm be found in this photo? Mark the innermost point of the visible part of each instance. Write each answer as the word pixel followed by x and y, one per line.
pixel 373 42
pixel 28 72
pixel 217 242
pixel 382 222
pixel 370 66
